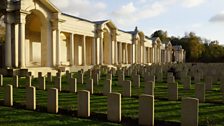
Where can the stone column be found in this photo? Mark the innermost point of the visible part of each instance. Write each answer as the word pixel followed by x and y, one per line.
pixel 8 45
pixel 84 51
pixel 16 46
pixel 120 53
pixel 132 53
pixel 115 53
pixel 22 45
pixel 58 49
pixel 72 49
pixel 94 59
pixel 126 53
pixel 101 51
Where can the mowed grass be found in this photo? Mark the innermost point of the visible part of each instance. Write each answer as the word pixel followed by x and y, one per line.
pixel 210 113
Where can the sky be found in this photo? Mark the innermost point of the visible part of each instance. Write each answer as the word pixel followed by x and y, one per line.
pixel 177 17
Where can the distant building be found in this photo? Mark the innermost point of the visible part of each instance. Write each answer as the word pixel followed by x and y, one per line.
pixel 38 35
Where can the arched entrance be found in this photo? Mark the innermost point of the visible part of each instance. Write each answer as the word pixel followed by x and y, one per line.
pixel 36 39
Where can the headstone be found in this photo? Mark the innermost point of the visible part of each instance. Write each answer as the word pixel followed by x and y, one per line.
pixel 136 81
pixel 146 110
pixel 208 83
pixel 58 74
pixel 83 103
pixel 171 79
pixel 200 92
pixel 8 95
pixel 89 86
pixel 107 87
pixel 109 76
pixel 49 77
pixel 73 85
pixel 52 104
pixel 57 82
pixel 114 107
pixel 197 78
pixel 187 83
pixel 42 83
pixel 159 77
pixel 121 78
pixel 149 88
pixel 126 88
pixel 28 81
pixel 39 74
pixel 96 79
pixel 80 78
pixel 189 112
pixel 68 77
pixel 31 98
pixel 16 81
pixel 173 91
pixel 89 73
pixel 1 80
pixel 150 78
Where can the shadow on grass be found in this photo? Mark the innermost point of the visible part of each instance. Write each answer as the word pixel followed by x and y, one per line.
pixel 100 117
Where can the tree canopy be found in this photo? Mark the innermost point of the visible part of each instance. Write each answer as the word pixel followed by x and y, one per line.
pixel 197 49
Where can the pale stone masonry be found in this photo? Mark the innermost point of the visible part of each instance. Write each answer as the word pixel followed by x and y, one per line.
pixel 42 83
pixel 200 92
pixel 114 107
pixel 173 91
pixel 8 101
pixel 146 110
pixel 31 98
pixel 16 81
pixel 189 112
pixel 38 34
pixel 83 103
pixel 149 88
pixel 52 102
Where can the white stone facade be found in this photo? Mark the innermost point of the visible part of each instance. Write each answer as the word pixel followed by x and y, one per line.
pixel 39 35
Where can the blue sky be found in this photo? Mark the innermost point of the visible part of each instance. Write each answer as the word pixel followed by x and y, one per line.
pixel 204 17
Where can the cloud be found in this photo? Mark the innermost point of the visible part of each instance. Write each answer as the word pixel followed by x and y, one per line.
pixel 192 3
pixel 93 10
pixel 218 18
pixel 133 12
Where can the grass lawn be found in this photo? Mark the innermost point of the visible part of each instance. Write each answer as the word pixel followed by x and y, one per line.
pixel 166 112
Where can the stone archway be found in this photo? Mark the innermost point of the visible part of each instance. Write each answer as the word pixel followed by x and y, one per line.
pixel 36 39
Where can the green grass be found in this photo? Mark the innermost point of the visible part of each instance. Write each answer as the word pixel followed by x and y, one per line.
pixel 20 117
pixel 210 113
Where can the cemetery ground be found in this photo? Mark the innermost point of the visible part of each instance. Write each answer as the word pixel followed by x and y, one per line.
pixel 166 112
